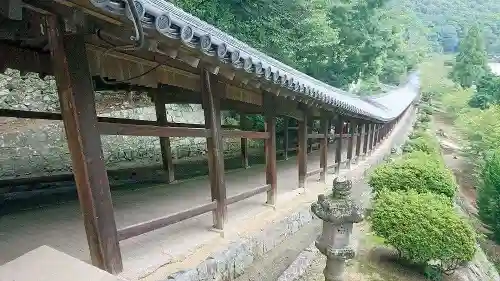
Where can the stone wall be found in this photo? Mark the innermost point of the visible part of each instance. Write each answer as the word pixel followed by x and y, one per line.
pixel 38 147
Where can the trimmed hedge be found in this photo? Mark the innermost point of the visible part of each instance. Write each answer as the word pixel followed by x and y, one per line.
pixel 423 228
pixel 421 141
pixel 416 171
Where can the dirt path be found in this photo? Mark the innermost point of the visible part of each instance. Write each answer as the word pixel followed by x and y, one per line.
pixel 454 158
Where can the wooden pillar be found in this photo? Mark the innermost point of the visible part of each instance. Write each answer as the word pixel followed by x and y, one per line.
pixel 368 131
pixel 286 120
pixel 244 141
pixel 309 131
pixel 339 126
pixel 76 95
pixel 166 151
pixel 323 161
pixel 302 153
pixel 372 136
pixel 211 107
pixel 376 131
pixel 270 147
pixel 379 134
pixel 360 131
pixel 350 144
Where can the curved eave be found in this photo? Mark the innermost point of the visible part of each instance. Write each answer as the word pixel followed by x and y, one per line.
pixel 173 23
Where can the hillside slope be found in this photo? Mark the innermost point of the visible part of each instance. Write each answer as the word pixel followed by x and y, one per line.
pixel 448 20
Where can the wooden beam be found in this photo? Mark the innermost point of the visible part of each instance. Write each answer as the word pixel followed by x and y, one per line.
pixel 148 226
pixel 76 96
pixel 166 151
pixel 24 59
pixel 314 172
pixel 149 130
pixel 14 113
pixel 270 148
pixel 315 136
pixel 286 121
pixel 244 134
pixel 339 126
pixel 302 154
pixel 211 107
pixel 350 144
pixel 244 142
pixel 247 194
pixel 323 161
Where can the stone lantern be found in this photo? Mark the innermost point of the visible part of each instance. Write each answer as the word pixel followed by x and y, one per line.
pixel 339 212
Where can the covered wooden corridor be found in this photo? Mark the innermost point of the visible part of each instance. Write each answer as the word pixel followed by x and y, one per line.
pixel 178 59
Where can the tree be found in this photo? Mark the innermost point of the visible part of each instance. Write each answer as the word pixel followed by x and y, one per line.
pixel 337 42
pixel 488 199
pixel 487 92
pixel 470 64
pixel 423 228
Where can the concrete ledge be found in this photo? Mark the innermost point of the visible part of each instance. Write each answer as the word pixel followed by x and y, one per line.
pixel 47 264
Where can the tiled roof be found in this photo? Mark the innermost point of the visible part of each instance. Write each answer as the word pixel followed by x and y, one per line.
pixel 174 23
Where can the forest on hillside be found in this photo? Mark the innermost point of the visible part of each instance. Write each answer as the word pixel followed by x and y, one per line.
pixel 344 41
pixel 339 42
pixel 448 20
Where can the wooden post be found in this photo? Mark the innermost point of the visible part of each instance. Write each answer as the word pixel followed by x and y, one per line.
pixel 360 131
pixel 367 131
pixel 270 148
pixel 309 131
pixel 302 153
pixel 211 107
pixel 285 137
pixel 350 144
pixel 244 141
pixel 76 95
pixel 166 151
pixel 372 135
pixel 376 131
pixel 323 161
pixel 339 126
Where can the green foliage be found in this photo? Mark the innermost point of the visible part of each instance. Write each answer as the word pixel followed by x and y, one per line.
pixel 417 134
pixel 433 273
pixel 426 109
pixel 488 199
pixel 448 19
pixel 338 42
pixel 487 92
pixel 470 64
pixel 416 171
pixel 434 77
pixel 424 118
pixel 482 132
pixel 423 228
pixel 424 143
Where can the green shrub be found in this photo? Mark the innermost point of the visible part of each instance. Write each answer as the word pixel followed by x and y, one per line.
pixel 423 142
pixel 423 228
pixel 417 134
pixel 488 197
pixel 427 109
pixel 420 125
pixel 424 117
pixel 416 171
